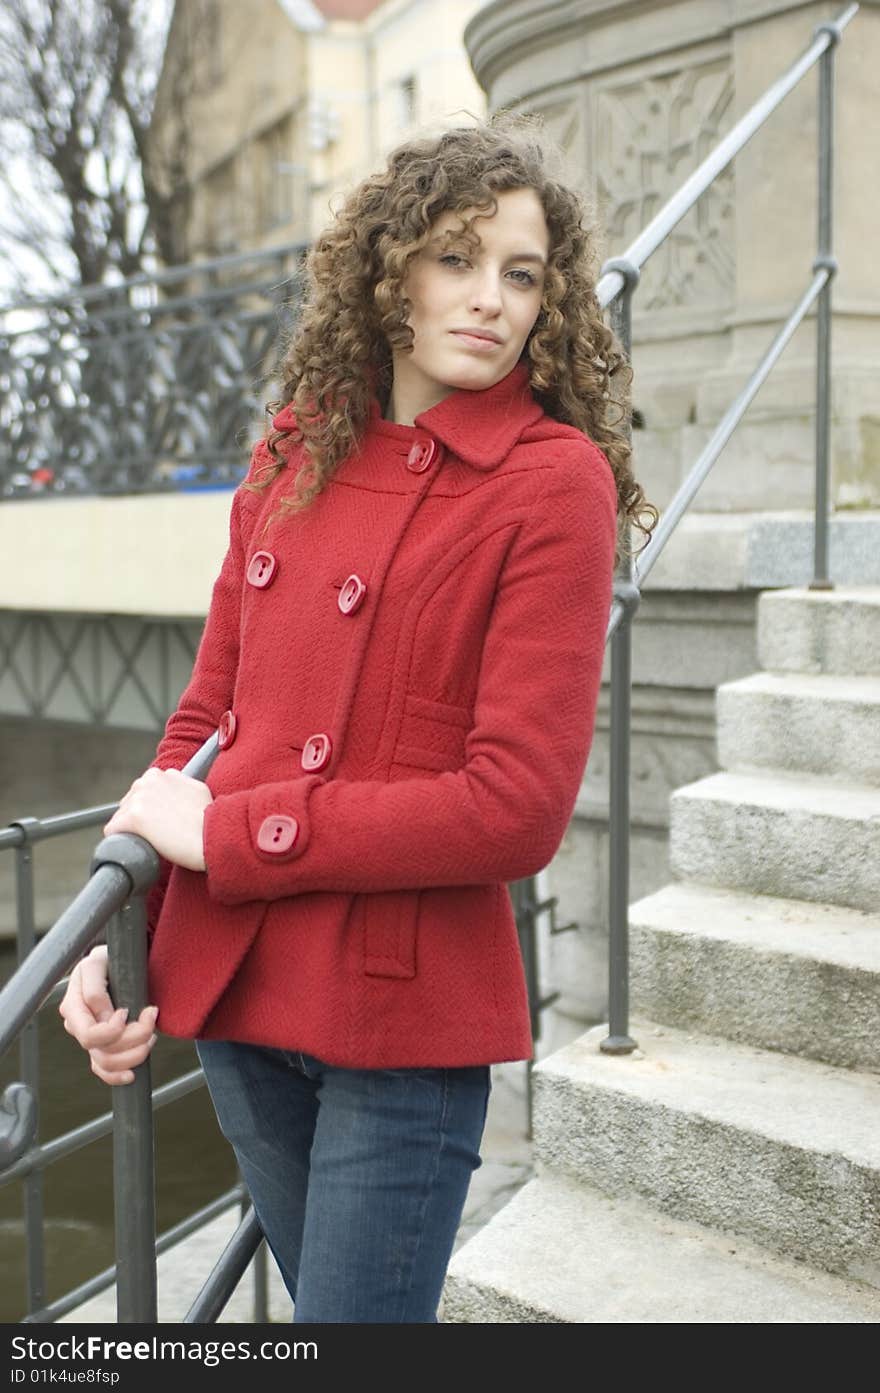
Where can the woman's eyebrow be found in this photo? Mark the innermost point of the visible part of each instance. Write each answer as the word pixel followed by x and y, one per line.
pixel 452 237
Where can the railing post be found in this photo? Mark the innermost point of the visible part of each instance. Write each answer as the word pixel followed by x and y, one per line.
pixel 618 1040
pixel 523 897
pixel 259 1264
pixel 261 1284
pixel 29 1065
pixel 824 261
pixel 134 1184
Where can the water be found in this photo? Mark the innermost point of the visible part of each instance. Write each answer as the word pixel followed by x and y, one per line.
pixel 194 1164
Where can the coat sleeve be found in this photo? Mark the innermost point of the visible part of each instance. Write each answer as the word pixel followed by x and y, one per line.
pixel 502 816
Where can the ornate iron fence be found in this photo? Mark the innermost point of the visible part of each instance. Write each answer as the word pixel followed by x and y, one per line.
pixel 148 385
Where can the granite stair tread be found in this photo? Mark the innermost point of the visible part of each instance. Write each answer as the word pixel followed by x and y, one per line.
pixel 561 1251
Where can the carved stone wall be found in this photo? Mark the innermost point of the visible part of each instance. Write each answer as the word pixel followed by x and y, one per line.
pixel 648 133
pixel 635 96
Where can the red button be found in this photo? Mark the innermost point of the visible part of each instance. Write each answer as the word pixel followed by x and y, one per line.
pixel 261 569
pixel 226 730
pixel 420 456
pixel 316 752
pixel 278 833
pixel 351 596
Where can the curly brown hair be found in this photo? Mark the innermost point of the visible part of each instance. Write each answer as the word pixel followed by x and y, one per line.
pixel 355 311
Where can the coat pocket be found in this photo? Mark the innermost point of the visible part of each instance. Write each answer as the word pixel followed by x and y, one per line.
pixel 431 740
pixel 390 932
pixel 432 735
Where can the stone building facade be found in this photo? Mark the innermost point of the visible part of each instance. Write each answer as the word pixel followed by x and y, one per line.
pixel 267 112
pixel 637 95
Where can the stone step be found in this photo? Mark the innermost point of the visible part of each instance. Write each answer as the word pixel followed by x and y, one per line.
pixel 801 722
pixel 799 836
pixel 830 631
pixel 561 1251
pixel 779 974
pixel 754 550
pixel 782 1150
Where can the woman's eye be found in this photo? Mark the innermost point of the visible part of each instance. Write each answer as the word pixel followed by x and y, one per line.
pixel 524 277
pixel 452 259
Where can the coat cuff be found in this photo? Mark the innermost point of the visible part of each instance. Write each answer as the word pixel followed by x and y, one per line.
pixel 248 836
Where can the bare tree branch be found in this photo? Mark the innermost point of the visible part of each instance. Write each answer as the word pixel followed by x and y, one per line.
pixel 77 86
pixel 27 233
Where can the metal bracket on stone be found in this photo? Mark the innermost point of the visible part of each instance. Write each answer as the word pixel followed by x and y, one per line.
pixel 549 906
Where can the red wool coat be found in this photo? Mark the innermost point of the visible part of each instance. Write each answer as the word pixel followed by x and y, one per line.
pixel 405 677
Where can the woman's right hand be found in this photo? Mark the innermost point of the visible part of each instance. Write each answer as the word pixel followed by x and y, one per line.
pixel 116 1047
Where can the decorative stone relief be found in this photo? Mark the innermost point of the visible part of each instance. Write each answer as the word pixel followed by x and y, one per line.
pixel 564 126
pixel 564 123
pixel 649 135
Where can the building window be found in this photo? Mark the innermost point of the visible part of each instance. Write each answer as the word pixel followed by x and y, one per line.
pixel 208 39
pixel 407 102
pixel 221 209
pixel 279 175
pixel 323 124
pixel 179 227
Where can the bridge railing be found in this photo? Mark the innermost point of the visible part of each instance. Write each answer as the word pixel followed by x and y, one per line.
pixel 145 386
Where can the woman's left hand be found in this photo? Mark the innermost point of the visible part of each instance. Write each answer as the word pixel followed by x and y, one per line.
pixel 167 808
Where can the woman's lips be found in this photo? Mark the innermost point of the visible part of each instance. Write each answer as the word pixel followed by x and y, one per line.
pixel 475 341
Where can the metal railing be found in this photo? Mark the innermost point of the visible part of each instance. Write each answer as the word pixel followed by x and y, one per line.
pixel 24 1159
pixel 144 386
pixel 125 866
pixel 19 1102
pixel 617 285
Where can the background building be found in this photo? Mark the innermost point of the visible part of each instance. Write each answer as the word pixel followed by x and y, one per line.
pixel 266 112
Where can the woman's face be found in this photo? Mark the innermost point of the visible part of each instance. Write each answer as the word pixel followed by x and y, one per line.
pixel 472 310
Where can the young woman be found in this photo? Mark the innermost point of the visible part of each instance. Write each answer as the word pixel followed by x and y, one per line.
pixel 402 657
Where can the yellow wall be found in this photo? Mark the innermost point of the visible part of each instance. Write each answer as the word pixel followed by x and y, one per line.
pixel 154 555
pixel 360 71
pixel 262 98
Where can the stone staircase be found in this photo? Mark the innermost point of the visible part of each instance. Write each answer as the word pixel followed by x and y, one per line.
pixel 729 1170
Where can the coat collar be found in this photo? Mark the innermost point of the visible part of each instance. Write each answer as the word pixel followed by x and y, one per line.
pixel 481 428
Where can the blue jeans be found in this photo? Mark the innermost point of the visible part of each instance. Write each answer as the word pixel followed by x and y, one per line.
pixel 358 1176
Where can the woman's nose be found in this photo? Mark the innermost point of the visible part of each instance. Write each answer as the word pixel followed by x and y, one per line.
pixel 486 294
